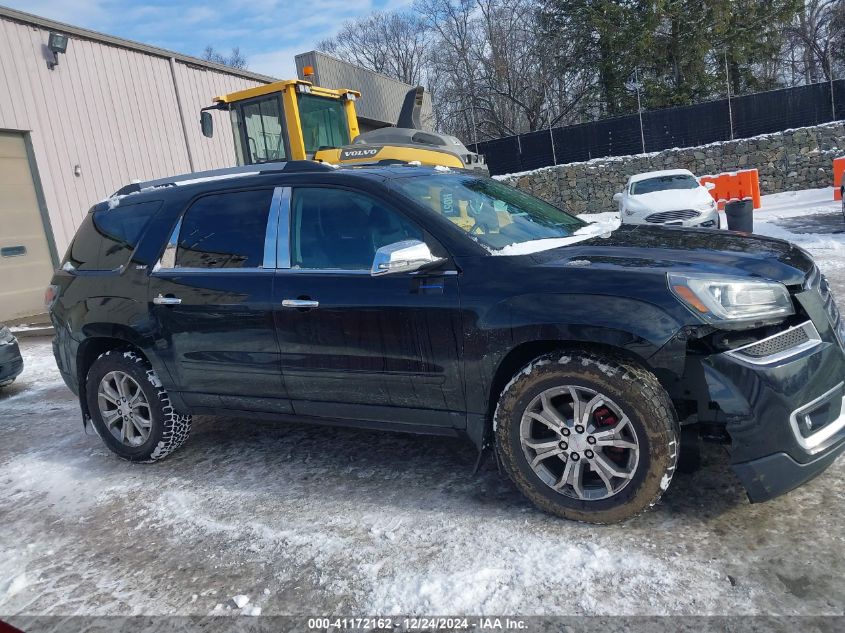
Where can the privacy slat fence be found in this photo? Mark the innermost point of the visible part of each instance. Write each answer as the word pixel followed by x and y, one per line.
pixel 684 126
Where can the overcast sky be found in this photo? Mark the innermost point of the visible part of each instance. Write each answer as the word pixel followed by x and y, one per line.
pixel 268 32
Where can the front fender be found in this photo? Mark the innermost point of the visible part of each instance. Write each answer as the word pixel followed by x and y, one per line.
pixel 635 326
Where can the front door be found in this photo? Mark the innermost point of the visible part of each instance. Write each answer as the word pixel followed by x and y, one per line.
pixel 383 348
pixel 212 297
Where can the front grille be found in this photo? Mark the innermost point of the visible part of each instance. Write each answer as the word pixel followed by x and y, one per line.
pixel 780 346
pixel 672 216
pixel 776 344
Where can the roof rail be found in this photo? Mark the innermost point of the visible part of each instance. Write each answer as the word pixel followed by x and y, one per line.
pixel 228 172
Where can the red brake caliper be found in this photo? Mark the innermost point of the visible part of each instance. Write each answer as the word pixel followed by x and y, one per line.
pixel 605 417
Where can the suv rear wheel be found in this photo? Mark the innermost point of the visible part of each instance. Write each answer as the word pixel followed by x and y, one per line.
pixel 587 437
pixel 130 409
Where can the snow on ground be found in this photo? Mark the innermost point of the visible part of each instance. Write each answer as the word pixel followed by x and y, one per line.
pixel 256 517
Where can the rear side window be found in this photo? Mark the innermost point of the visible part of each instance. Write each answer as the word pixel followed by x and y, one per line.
pixel 225 231
pixel 106 238
pixel 120 229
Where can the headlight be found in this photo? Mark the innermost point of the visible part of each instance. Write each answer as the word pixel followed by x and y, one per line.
pixel 708 206
pixel 730 301
pixel 6 335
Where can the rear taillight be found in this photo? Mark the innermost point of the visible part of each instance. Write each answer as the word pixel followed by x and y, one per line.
pixel 50 296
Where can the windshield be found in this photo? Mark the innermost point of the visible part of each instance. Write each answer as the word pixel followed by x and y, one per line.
pixel 495 215
pixel 323 122
pixel 663 183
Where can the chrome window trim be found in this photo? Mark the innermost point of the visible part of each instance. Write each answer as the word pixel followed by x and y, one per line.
pixel 284 228
pixel 812 442
pixel 169 251
pixel 328 271
pixel 808 327
pixel 195 271
pixel 271 235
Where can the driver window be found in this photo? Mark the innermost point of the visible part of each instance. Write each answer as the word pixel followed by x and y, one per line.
pixel 263 127
pixel 335 229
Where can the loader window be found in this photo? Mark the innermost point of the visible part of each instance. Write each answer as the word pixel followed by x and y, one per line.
pixel 492 213
pixel 323 122
pixel 263 130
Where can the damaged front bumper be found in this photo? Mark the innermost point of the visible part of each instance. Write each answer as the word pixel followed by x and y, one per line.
pixel 782 401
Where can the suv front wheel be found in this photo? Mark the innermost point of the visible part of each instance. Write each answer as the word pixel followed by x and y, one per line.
pixel 587 437
pixel 130 410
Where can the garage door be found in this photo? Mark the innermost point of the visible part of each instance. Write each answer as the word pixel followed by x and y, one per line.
pixel 25 263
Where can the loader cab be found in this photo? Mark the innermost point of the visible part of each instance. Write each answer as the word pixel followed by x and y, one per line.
pixel 286 120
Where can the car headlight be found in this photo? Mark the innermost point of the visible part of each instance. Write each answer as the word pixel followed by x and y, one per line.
pixel 6 336
pixel 708 206
pixel 731 302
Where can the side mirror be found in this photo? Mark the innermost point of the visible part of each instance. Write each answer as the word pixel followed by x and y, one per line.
pixel 710 186
pixel 402 257
pixel 207 124
pixel 617 197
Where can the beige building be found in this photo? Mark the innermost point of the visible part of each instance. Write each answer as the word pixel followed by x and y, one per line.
pixel 111 111
pixel 77 125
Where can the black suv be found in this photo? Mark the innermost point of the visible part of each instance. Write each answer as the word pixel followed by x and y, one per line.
pixel 435 301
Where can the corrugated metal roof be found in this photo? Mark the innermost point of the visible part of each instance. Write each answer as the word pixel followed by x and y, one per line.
pixel 381 96
pixel 53 25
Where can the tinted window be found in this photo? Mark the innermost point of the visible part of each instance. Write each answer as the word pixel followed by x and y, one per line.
pixel 121 228
pixel 225 231
pixel 84 250
pixel 337 229
pixel 106 238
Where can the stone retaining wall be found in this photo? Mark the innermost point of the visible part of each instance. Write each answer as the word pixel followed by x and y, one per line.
pixel 790 160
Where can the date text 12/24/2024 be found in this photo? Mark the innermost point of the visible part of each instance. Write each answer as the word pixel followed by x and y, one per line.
pixel 421 623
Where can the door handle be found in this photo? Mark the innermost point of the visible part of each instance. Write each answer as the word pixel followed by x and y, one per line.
pixel 300 303
pixel 166 301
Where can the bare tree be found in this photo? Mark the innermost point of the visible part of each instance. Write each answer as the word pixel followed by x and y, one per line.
pixel 502 67
pixel 393 43
pixel 235 59
pixel 495 75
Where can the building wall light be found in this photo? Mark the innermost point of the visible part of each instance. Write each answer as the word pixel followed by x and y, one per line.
pixel 57 43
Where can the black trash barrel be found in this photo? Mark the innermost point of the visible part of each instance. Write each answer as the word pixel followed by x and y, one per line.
pixel 740 214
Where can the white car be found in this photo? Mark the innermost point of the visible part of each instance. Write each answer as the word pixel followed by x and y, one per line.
pixel 671 197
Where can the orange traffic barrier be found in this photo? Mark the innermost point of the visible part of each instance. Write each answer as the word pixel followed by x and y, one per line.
pixel 838 170
pixel 736 185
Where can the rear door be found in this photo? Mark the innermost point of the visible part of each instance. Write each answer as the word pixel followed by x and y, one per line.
pixel 384 348
pixel 211 295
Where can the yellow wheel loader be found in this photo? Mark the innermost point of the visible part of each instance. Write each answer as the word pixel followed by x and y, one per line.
pixel 296 120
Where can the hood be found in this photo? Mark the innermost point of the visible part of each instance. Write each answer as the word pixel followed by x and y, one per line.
pixel 683 250
pixel 671 200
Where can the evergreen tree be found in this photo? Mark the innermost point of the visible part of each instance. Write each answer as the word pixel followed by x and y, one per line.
pixel 748 35
pixel 612 37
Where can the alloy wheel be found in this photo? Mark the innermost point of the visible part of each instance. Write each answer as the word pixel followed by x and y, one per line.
pixel 124 408
pixel 579 442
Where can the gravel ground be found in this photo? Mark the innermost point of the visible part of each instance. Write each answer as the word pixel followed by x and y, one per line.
pixel 307 520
